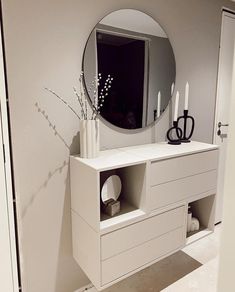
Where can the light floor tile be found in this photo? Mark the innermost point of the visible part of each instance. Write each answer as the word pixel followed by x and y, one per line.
pixel 204 279
pixel 205 249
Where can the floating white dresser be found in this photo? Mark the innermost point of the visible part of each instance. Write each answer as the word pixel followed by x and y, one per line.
pixel 159 181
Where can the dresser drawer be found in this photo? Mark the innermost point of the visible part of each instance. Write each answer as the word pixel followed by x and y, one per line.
pixel 175 191
pixel 126 238
pixel 130 260
pixel 180 167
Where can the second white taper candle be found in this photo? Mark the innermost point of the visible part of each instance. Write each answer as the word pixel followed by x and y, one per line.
pixel 186 96
pixel 176 106
pixel 159 104
pixel 172 88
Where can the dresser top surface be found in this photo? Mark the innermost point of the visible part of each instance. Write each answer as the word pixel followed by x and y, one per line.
pixel 121 157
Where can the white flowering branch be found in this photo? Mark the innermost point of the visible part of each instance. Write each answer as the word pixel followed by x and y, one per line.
pixel 84 117
pixel 97 101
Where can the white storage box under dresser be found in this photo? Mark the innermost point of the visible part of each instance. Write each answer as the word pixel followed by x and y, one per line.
pixel 159 182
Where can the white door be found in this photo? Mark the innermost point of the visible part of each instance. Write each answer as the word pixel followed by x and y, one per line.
pixel 227 256
pixel 223 100
pixel 6 276
pixel 8 255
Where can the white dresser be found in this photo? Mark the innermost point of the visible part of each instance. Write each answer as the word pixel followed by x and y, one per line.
pixel 159 182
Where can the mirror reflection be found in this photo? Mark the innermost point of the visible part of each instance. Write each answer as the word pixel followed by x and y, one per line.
pixel 133 48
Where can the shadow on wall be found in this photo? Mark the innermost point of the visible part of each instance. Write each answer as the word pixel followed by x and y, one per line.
pixel 66 266
pixel 71 150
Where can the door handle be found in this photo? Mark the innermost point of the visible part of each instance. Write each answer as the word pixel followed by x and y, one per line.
pixel 222 125
pixel 219 126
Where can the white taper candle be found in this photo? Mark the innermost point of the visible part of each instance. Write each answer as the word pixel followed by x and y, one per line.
pixel 186 96
pixel 172 88
pixel 176 105
pixel 159 104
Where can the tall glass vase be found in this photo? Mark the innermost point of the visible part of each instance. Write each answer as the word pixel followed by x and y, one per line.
pixel 89 138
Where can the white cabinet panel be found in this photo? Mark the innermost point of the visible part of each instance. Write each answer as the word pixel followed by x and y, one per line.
pixel 84 183
pixel 86 247
pixel 136 234
pixel 132 259
pixel 178 190
pixel 180 167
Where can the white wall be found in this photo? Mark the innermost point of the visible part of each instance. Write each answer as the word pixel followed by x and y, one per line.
pixel 44 43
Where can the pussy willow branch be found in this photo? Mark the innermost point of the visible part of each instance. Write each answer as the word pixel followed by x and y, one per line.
pixel 85 99
pixel 80 102
pixel 61 99
pixel 84 94
pixel 97 102
pixel 81 93
pixel 93 101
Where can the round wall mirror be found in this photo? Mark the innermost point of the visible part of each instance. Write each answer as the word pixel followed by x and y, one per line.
pixel 134 50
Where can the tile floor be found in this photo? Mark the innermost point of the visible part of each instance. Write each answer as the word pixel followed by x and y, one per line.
pixel 203 279
pixel 194 269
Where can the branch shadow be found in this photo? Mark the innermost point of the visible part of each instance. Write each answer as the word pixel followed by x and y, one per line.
pixel 33 196
pixel 68 273
pixel 72 149
pixel 51 125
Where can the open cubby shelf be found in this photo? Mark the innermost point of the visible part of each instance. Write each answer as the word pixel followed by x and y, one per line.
pixel 132 195
pixel 194 236
pixel 125 207
pixel 191 233
pixel 203 210
pixel 121 218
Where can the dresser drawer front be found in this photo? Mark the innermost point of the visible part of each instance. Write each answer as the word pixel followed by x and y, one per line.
pixel 175 191
pixel 126 238
pixel 141 255
pixel 180 167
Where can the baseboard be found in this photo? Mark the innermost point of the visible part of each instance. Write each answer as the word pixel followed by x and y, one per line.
pixel 87 288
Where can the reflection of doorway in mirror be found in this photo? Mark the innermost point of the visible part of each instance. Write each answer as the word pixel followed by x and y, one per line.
pixel 126 59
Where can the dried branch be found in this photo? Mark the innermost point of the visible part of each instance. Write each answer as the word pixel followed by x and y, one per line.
pixel 61 99
pixel 80 102
pixel 98 100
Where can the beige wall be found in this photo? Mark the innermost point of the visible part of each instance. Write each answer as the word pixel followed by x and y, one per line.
pixel 44 45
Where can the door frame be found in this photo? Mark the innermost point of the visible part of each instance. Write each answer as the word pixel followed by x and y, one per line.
pixel 8 166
